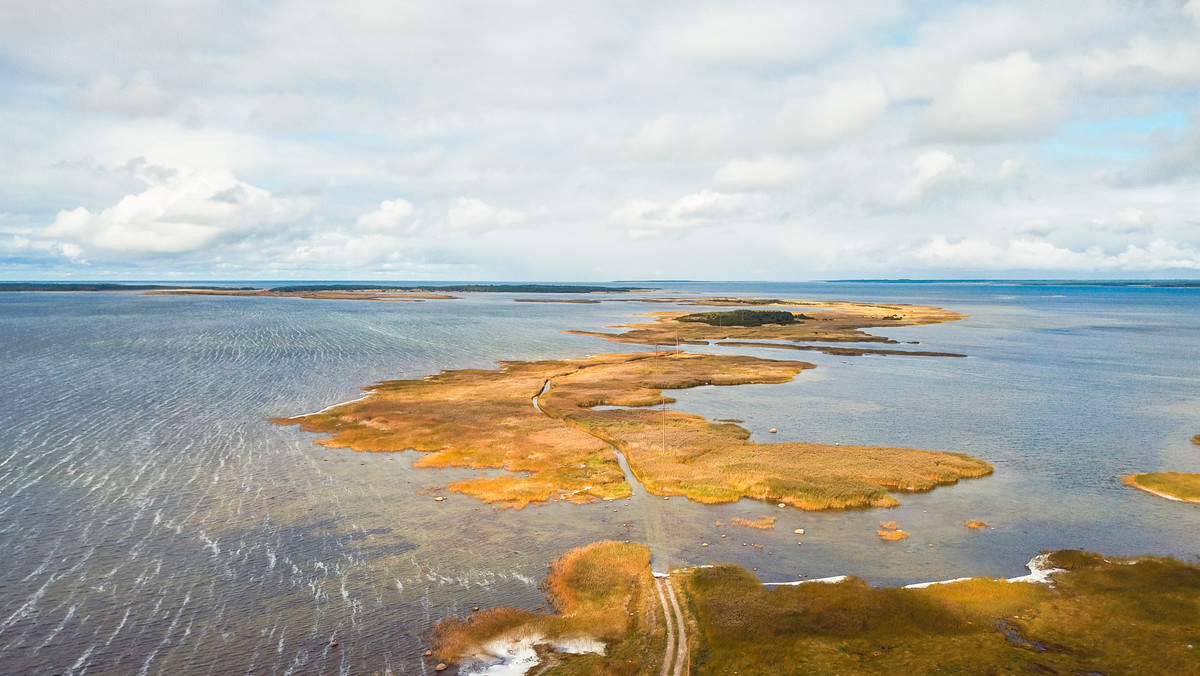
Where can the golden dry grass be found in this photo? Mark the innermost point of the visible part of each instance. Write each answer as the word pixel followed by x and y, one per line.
pixel 486 419
pixel 1118 616
pixel 972 523
pixel 1196 439
pixel 765 523
pixel 1174 485
pixel 830 321
pixel 889 525
pixel 892 535
pixel 602 591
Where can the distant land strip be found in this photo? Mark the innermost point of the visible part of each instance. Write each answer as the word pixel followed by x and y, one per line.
pixel 1147 283
pixel 315 288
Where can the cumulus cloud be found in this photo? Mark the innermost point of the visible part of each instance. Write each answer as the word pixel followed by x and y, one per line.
pixel 473 214
pixel 797 121
pixel 767 172
pixel 1025 254
pixel 182 209
pixel 706 208
pixel 929 170
pixel 841 109
pixel 391 215
pixel 1010 98
pixel 140 95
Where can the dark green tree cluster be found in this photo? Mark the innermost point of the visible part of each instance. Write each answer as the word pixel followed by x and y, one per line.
pixel 743 318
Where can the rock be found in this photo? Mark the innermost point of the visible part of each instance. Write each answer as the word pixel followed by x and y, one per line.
pixel 474 609
pixel 798 544
pixel 442 666
pixel 703 544
pixel 428 653
pixel 438 499
pixel 799 531
pixel 781 505
pixel 773 430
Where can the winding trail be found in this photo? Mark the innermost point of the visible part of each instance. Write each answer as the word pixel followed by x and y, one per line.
pixel 676 652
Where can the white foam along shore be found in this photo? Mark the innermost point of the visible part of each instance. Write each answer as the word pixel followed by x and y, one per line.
pixel 1039 567
pixel 340 403
pixel 515 655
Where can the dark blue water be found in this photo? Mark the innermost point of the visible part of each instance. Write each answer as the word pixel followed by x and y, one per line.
pixel 152 521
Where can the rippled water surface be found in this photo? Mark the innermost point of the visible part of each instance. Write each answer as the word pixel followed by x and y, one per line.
pixel 153 521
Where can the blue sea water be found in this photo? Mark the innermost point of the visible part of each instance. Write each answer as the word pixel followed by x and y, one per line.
pixel 153 521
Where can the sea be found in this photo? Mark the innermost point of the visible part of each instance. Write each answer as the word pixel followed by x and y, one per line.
pixel 153 520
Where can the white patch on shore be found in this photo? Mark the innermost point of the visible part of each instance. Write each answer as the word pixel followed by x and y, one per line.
pixel 514 655
pixel 825 580
pixel 1039 571
pixel 343 403
pixel 1039 567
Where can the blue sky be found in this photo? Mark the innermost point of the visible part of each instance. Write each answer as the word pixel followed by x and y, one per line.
pixel 291 139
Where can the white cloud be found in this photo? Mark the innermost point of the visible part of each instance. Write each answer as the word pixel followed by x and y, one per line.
pixel 182 209
pixel 841 109
pixel 929 170
pixel 470 213
pixel 1192 10
pixel 1011 98
pixel 705 208
pixel 390 215
pixel 767 172
pixel 141 95
pixel 1024 254
pixel 759 32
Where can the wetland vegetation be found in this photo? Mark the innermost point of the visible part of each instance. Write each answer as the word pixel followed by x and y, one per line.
pixel 560 447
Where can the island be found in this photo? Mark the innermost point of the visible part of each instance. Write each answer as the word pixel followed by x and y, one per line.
pixel 556 428
pixel 821 322
pixel 1076 613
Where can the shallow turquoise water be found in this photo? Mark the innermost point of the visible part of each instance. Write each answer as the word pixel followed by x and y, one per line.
pixel 153 522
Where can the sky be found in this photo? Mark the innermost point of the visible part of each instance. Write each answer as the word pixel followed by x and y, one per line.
pixel 561 140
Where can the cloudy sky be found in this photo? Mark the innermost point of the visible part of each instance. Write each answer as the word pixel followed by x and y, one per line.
pixel 562 140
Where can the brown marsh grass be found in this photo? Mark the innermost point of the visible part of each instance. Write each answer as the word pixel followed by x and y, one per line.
pixel 486 419
pixel 827 321
pixel 765 523
pixel 1113 616
pixel 602 591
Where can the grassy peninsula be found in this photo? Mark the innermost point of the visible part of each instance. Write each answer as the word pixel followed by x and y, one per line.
pixel 558 447
pixel 1098 615
pixel 1181 486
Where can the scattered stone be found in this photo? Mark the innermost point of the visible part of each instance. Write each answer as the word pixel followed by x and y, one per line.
pixel 773 430
pixel 438 499
pixel 781 505
pixel 703 544
pixel 474 609
pixel 723 535
pixel 798 544
pixel 442 666
pixel 333 644
pixel 428 653
pixel 799 531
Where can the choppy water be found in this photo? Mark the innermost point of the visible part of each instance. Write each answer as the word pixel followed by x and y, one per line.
pixel 152 521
